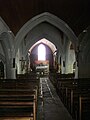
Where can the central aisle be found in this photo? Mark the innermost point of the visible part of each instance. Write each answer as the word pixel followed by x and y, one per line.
pixel 50 106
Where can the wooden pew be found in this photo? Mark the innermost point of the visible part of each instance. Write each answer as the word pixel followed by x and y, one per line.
pixel 84 107
pixel 18 97
pixel 18 83
pixel 18 102
pixel 70 91
pixel 31 75
pixel 55 76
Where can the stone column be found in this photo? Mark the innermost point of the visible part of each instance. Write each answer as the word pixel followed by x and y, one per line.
pixel 13 73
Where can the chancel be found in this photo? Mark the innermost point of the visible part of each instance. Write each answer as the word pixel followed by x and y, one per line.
pixel 44 60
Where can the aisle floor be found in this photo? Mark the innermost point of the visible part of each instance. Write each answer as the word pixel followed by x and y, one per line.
pixel 50 106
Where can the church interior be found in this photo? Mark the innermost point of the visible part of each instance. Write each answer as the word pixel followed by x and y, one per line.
pixel 44 60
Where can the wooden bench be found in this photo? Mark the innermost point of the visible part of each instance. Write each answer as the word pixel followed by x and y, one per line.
pixel 18 83
pixel 84 107
pixel 70 91
pixel 18 97
pixel 55 76
pixel 18 102
pixel 31 75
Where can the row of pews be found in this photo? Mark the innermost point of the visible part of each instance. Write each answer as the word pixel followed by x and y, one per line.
pixel 75 94
pixel 18 97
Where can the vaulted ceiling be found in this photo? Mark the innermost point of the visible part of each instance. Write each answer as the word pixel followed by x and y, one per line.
pixel 75 13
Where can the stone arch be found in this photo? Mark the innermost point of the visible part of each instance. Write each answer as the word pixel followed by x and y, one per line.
pixel 45 17
pixel 6 40
pixel 84 45
pixel 6 49
pixel 84 54
pixel 2 58
pixel 3 26
pixel 5 30
pixel 40 37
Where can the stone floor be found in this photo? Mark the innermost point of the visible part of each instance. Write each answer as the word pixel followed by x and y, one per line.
pixel 51 107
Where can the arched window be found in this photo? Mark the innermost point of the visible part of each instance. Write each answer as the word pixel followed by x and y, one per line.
pixel 41 52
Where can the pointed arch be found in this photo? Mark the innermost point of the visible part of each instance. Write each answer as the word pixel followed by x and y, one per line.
pixel 50 38
pixel 2 58
pixel 7 43
pixel 3 26
pixel 45 17
pixel 6 35
pixel 44 41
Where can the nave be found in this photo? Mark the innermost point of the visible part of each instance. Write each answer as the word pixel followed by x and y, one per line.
pixel 32 97
pixel 16 100
pixel 37 36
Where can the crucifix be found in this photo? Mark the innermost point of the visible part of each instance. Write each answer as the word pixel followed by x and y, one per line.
pixel 22 63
